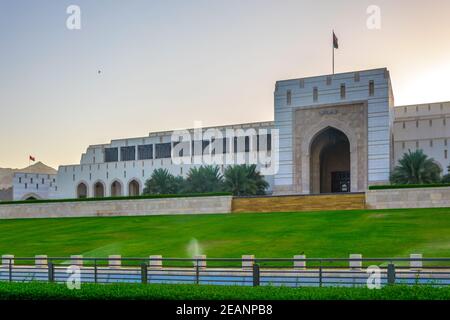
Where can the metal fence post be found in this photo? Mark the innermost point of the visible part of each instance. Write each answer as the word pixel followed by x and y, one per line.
pixel 10 269
pixel 144 273
pixel 197 273
pixel 51 272
pixel 320 276
pixel 391 273
pixel 256 275
pixel 95 271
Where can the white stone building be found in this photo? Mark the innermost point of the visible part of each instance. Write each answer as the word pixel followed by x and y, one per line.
pixel 331 133
pixel 355 107
pixel 121 167
pixel 426 127
pixel 35 182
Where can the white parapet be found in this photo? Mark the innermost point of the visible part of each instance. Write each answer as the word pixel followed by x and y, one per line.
pixel 76 260
pixel 415 264
pixel 356 264
pixel 155 262
pixel 7 259
pixel 248 261
pixel 300 264
pixel 115 260
pixel 200 260
pixel 41 261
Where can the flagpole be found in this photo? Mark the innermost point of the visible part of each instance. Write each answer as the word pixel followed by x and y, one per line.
pixel 332 45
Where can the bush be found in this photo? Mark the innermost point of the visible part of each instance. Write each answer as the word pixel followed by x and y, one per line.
pixel 152 196
pixel 52 291
pixel 409 186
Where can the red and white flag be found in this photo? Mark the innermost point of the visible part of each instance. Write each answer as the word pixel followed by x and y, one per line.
pixel 31 158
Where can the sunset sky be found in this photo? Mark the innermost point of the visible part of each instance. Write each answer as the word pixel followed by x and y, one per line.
pixel 165 64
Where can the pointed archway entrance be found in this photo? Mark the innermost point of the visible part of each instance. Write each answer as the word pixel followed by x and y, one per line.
pixel 116 189
pixel 330 162
pixel 133 188
pixel 99 190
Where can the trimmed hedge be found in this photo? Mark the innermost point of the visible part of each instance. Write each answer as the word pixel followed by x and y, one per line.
pixel 409 186
pixel 52 291
pixel 153 196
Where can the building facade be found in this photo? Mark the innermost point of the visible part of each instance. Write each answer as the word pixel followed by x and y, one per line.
pixel 335 132
pixel 426 127
pixel 35 182
pixel 121 167
pixel 330 134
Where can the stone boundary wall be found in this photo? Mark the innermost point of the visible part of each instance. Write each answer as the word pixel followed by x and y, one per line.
pixel 408 198
pixel 298 203
pixel 106 208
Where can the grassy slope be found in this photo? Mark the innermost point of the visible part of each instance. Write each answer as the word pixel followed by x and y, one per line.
pixel 323 234
pixel 39 291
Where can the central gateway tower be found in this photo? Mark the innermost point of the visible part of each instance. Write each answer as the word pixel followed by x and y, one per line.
pixel 335 132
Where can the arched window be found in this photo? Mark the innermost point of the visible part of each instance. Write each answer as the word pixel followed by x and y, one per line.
pixel 82 191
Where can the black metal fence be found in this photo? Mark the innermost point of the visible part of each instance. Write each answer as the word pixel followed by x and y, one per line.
pixel 221 271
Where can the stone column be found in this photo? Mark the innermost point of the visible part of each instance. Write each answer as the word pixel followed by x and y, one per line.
pixel 417 264
pixel 201 262
pixel 155 262
pixel 300 264
pixel 76 260
pixel 41 261
pixel 116 261
pixel 248 261
pixel 7 259
pixel 355 264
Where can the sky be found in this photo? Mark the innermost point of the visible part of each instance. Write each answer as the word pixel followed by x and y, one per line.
pixel 166 64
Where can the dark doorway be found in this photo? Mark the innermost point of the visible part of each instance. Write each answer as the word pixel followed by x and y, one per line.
pixel 99 190
pixel 340 181
pixel 330 162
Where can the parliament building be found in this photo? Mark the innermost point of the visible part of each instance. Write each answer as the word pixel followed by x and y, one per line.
pixel 330 134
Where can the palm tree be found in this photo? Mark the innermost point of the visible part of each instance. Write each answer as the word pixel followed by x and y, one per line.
pixel 204 179
pixel 416 168
pixel 244 180
pixel 163 182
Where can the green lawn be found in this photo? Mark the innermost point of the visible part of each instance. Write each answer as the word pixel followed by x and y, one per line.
pixel 381 233
pixel 47 291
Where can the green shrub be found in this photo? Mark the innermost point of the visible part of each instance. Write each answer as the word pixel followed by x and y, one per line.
pixel 152 196
pixel 51 291
pixel 409 186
